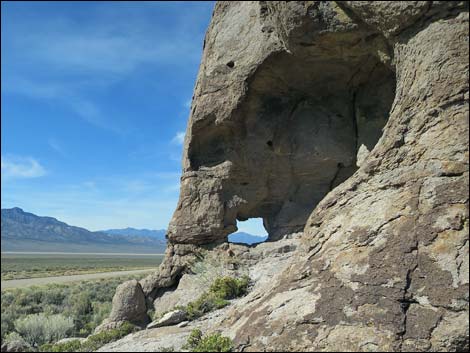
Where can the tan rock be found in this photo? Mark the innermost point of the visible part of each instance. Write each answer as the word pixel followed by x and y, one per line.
pixel 286 94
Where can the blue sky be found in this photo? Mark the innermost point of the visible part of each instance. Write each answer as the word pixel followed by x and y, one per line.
pixel 95 101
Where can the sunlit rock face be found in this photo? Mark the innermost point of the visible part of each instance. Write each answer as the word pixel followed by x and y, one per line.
pixel 278 116
pixel 291 97
pixel 347 121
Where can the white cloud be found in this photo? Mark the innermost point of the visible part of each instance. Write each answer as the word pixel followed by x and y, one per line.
pixel 178 138
pixel 21 168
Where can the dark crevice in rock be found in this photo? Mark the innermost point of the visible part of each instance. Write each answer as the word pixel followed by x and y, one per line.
pixel 354 121
pixel 405 303
pixel 335 177
pixel 407 299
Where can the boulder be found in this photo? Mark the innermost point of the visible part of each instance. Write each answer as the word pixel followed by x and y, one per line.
pixel 129 304
pixel 171 318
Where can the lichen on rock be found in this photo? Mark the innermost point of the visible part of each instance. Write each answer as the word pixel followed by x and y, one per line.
pixel 347 122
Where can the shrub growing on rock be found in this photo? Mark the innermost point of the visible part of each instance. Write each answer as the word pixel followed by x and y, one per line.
pixel 229 287
pixel 70 346
pixel 209 343
pixel 222 289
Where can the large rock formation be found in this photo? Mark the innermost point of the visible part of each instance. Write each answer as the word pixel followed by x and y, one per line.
pixel 290 99
pixel 285 96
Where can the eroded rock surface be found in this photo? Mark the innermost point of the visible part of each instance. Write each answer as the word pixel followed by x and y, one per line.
pixel 290 99
pixel 278 117
pixel 261 263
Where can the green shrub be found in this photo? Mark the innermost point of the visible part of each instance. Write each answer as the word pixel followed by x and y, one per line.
pixel 54 296
pixel 210 343
pixel 214 343
pixel 222 288
pixel 82 305
pixel 229 288
pixel 71 346
pixel 31 328
pixel 16 343
pixel 207 302
pixel 93 342
pixel 70 300
pixel 7 322
pixel 98 340
pixel 38 329
pixel 194 338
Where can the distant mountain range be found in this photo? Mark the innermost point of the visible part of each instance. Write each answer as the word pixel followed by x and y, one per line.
pixel 24 231
pixel 158 234
pixel 241 237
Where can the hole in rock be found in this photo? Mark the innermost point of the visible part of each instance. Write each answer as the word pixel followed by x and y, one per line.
pixel 231 64
pixel 249 232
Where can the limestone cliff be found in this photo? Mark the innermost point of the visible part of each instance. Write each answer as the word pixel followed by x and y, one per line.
pixel 289 100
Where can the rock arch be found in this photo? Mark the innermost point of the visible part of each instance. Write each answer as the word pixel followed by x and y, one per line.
pixel 292 135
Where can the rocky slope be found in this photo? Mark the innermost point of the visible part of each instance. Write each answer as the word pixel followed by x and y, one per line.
pixel 290 99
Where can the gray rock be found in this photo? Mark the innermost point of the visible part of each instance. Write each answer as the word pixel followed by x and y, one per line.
pixel 183 324
pixel 171 318
pixel 272 135
pixel 189 288
pixel 362 154
pixel 276 126
pixel 156 340
pixel 15 346
pixel 129 304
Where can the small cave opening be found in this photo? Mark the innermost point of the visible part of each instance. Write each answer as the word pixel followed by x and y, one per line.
pixel 249 232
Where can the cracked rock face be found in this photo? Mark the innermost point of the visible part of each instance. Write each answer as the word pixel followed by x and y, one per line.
pixel 348 121
pixel 385 258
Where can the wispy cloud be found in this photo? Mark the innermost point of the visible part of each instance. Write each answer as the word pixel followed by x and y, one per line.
pixel 56 146
pixel 65 93
pixel 178 139
pixel 146 200
pixel 14 167
pixel 72 62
